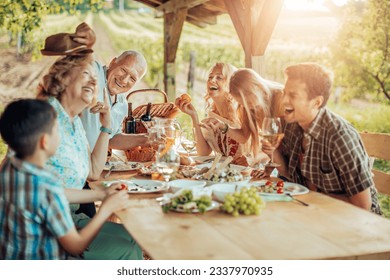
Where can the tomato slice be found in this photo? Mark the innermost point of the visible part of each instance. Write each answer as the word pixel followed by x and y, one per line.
pixel 280 184
pixel 268 183
pixel 279 190
pixel 123 187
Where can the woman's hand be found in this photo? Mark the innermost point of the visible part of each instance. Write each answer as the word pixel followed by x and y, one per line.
pixel 241 160
pixel 214 124
pixel 186 107
pixel 84 35
pixel 104 112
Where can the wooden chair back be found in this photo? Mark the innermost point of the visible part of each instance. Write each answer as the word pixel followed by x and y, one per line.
pixel 377 146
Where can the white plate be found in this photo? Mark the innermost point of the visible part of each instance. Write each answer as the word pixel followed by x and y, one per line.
pixel 140 186
pixel 121 166
pixel 213 205
pixel 291 188
pixel 186 184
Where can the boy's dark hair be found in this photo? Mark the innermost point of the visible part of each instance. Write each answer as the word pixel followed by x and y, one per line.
pixel 317 78
pixel 23 122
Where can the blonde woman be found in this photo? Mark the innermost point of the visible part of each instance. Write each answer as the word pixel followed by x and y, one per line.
pixel 219 104
pixel 257 98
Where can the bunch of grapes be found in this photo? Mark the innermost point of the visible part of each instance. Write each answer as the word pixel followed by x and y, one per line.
pixel 246 201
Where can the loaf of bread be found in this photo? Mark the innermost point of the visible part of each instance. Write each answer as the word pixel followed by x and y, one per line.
pixel 141 153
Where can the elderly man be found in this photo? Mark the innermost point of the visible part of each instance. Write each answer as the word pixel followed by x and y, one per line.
pixel 320 149
pixel 117 79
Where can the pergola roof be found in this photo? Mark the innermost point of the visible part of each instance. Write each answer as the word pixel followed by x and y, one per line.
pixel 200 12
pixel 253 20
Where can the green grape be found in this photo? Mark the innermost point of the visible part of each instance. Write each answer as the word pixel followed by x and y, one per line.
pixel 245 201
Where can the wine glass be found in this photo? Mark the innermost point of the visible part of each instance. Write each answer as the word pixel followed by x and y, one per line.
pixel 167 162
pixel 272 132
pixel 188 144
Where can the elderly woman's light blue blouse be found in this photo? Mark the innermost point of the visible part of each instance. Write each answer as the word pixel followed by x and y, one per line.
pixel 71 161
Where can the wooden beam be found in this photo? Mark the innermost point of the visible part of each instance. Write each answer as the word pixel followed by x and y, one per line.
pixel 201 14
pixel 173 25
pixel 234 9
pixel 203 20
pixel 152 3
pixel 196 22
pixel 264 25
pixel 216 5
pixel 173 5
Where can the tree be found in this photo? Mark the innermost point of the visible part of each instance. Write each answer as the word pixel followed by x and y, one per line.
pixel 361 50
pixel 22 17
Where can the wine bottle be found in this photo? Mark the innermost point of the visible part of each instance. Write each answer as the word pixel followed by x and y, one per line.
pixel 130 120
pixel 147 117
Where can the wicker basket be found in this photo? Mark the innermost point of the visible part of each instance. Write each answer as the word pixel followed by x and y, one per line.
pixel 163 109
pixel 141 153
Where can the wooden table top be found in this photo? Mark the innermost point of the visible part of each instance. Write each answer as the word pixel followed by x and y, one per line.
pixel 327 229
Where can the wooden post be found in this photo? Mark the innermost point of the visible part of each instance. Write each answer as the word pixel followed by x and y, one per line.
pixel 254 21
pixel 173 25
pixel 191 73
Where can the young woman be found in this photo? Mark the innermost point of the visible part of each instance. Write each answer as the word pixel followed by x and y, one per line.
pixel 220 104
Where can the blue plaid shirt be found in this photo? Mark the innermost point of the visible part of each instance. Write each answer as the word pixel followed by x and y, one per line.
pixel 34 212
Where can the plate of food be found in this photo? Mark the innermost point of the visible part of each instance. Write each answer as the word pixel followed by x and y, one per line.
pixel 137 186
pixel 122 166
pixel 192 208
pixel 266 187
pixel 189 201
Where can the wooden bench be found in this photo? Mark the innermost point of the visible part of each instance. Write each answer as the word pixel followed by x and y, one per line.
pixel 377 146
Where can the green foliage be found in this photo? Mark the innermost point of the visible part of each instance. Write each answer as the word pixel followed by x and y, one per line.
pixel 384 201
pixel 361 53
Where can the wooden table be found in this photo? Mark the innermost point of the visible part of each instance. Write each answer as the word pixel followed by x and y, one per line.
pixel 327 229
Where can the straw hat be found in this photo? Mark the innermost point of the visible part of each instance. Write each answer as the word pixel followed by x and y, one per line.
pixel 63 44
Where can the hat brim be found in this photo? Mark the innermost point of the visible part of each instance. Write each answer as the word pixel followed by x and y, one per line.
pixel 80 50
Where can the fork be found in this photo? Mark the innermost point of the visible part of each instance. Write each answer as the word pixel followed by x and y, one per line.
pixel 297 200
pixel 109 171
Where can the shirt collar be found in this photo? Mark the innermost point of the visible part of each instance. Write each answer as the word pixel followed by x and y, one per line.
pixel 30 168
pixel 316 126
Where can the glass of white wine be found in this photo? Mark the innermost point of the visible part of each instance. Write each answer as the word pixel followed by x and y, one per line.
pixel 167 162
pixel 272 132
pixel 188 144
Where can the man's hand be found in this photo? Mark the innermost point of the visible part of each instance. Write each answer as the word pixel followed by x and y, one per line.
pixel 267 148
pixel 84 35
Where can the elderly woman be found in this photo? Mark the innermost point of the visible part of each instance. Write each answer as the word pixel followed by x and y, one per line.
pixel 257 98
pixel 220 104
pixel 70 87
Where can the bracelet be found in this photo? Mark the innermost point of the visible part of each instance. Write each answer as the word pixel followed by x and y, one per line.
pixel 105 130
pixel 225 129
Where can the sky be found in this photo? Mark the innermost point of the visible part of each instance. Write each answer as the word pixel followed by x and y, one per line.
pixel 310 4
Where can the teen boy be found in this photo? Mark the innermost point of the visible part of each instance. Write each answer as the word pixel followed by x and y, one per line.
pixel 35 220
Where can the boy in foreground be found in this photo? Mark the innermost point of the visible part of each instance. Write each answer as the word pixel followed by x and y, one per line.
pixel 35 220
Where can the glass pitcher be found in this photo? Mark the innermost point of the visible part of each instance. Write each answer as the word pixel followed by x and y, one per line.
pixel 165 130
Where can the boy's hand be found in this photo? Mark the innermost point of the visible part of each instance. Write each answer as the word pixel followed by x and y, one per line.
pixel 114 188
pixel 115 202
pixel 84 35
